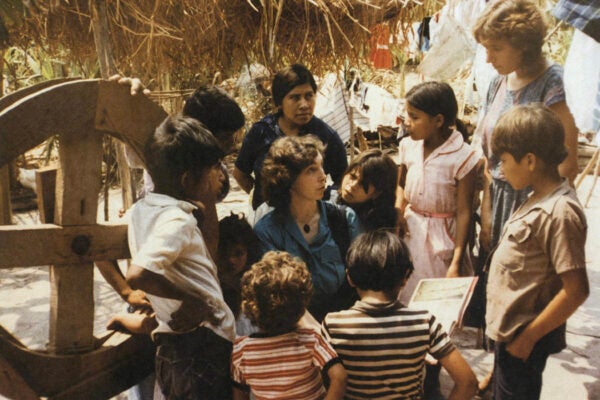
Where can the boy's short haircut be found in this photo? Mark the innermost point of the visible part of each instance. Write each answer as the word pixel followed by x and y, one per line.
pixel 286 159
pixel 276 291
pixel 288 78
pixel 531 128
pixel 180 144
pixel 218 111
pixel 378 260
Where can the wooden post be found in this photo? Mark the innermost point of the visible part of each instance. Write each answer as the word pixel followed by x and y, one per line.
pixel 5 209
pixel 45 183
pixel 72 286
pixel 107 68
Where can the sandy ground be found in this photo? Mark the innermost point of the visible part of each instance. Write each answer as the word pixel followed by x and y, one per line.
pixel 572 374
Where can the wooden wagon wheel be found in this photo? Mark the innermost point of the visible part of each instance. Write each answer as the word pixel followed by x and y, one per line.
pixel 76 365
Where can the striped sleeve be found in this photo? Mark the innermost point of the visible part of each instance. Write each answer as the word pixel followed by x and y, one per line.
pixel 323 352
pixel 440 344
pixel 236 362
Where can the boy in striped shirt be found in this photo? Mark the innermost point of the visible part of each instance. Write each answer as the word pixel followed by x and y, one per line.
pixel 282 361
pixel 381 343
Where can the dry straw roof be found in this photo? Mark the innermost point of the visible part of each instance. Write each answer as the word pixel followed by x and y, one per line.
pixel 184 38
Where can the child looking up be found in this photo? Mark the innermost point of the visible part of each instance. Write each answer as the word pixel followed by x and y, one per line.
pixel 172 264
pixel 537 275
pixel 369 188
pixel 282 361
pixel 437 183
pixel 381 343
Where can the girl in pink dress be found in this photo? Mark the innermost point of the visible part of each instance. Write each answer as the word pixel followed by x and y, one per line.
pixel 437 177
pixel 435 195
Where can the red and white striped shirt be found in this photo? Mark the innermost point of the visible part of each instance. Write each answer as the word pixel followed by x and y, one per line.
pixel 286 366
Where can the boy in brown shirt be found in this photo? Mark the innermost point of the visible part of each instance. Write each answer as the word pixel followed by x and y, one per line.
pixel 537 275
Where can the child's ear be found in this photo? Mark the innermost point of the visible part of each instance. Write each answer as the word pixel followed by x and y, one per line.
pixel 349 279
pixel 185 180
pixel 439 120
pixel 531 161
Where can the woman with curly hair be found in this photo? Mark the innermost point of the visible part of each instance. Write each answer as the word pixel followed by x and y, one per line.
pixel 303 225
pixel 369 187
pixel 282 359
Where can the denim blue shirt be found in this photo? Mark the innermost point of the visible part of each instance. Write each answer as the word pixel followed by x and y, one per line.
pixel 278 231
pixel 259 138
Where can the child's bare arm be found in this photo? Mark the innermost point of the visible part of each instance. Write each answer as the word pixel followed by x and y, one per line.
pixel 239 394
pixel 133 323
pixel 464 214
pixel 568 168
pixel 575 290
pixel 337 382
pixel 401 203
pixel 114 277
pixel 485 236
pixel 192 310
pixel 245 181
pixel 465 382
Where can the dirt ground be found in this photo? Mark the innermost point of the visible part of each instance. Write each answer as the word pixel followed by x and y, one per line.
pixel 572 374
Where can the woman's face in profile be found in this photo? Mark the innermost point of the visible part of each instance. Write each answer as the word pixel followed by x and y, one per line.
pixel 298 106
pixel 311 183
pixel 503 57
pixel 352 189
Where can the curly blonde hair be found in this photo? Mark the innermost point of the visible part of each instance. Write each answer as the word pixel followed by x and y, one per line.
pixel 519 22
pixel 276 291
pixel 286 159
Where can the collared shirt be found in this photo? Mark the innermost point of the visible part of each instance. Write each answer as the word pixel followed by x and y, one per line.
pixel 540 241
pixel 282 367
pixel 278 231
pixel 164 238
pixel 383 348
pixel 259 138
pixel 431 183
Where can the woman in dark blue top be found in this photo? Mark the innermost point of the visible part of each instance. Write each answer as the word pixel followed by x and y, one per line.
pixel 294 93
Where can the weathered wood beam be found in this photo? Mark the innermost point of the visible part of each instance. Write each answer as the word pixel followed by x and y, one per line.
pixel 34 245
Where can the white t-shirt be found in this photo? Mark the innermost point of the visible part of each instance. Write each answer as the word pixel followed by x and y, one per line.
pixel 164 238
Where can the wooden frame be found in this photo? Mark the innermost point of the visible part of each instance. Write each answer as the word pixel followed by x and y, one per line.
pixel 80 112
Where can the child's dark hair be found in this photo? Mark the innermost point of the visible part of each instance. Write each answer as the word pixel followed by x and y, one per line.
pixel 381 171
pixel 276 291
pixel 436 98
pixel 179 144
pixel 235 230
pixel 531 128
pixel 378 260
pixel 213 107
pixel 288 78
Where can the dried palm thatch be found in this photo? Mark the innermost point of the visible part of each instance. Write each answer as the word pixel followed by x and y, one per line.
pixel 183 42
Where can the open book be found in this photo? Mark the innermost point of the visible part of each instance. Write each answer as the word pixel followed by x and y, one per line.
pixel 446 298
